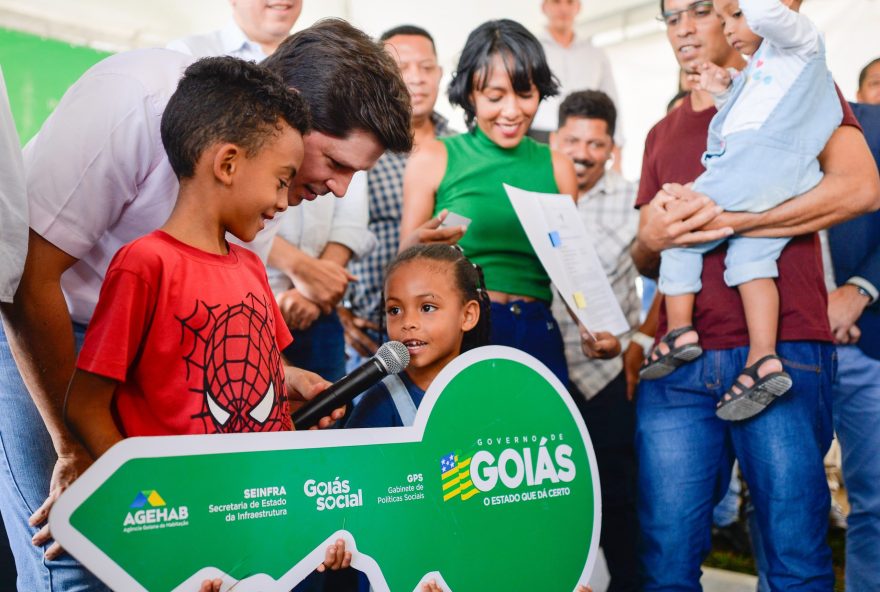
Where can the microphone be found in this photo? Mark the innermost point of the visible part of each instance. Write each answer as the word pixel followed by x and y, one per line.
pixel 391 358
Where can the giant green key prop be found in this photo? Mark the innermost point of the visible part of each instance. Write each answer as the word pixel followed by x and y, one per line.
pixel 493 488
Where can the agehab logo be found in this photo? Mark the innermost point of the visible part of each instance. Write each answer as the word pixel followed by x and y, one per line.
pixel 527 472
pixel 149 511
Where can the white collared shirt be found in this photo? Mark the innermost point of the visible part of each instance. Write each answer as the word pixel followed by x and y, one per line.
pixel 13 202
pixel 580 66
pixel 230 40
pixel 97 174
pixel 313 224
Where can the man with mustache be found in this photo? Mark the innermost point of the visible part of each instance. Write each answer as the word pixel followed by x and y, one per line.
pixel 602 389
pixel 414 51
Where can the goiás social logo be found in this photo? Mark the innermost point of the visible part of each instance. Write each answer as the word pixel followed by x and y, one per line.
pixel 515 468
pixel 149 511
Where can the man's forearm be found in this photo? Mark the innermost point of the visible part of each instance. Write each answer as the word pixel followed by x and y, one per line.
pixel 40 335
pixel 645 260
pixel 337 253
pixel 850 187
pixel 285 256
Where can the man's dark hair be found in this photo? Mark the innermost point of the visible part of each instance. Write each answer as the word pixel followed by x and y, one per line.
pixel 523 57
pixel 349 82
pixel 864 73
pixel 224 99
pixel 589 104
pixel 408 30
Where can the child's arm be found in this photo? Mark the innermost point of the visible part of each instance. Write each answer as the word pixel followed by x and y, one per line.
pixel 335 557
pixel 715 80
pixel 780 25
pixel 303 386
pixel 87 411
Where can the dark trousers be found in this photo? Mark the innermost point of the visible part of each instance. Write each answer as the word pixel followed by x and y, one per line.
pixel 611 421
pixel 320 348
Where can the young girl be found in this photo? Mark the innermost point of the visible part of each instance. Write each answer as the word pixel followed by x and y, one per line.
pixel 773 120
pixel 437 306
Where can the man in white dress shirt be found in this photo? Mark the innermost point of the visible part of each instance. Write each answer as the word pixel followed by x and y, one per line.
pixel 577 63
pixel 257 29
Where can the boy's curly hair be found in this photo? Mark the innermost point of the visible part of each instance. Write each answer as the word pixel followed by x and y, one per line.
pixel 225 99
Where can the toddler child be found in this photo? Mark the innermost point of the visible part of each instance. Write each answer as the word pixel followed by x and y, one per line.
pixel 773 120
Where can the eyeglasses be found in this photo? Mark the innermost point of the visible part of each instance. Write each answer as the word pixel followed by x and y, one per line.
pixel 696 10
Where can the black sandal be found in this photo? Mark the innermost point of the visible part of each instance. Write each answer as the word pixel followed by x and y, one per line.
pixel 750 401
pixel 657 365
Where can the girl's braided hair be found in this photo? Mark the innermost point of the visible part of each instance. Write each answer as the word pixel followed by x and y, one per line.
pixel 469 281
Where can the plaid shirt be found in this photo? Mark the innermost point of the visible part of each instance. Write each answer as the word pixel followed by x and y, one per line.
pixel 610 219
pixel 385 193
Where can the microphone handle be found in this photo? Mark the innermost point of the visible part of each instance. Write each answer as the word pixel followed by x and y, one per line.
pixel 340 393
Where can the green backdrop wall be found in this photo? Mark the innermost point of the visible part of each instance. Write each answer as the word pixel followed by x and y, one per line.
pixel 38 71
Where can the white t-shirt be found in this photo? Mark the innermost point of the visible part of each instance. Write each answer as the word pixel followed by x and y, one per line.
pixel 580 66
pixel 13 202
pixel 230 40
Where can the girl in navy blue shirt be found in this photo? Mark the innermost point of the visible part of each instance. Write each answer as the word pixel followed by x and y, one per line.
pixel 436 304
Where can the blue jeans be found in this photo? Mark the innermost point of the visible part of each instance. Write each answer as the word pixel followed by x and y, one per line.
pixel 530 327
pixel 685 458
pixel 856 421
pixel 727 510
pixel 320 348
pixel 27 458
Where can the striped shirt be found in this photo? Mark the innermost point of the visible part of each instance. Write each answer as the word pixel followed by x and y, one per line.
pixel 385 193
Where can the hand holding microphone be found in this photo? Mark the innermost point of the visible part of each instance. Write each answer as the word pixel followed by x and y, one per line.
pixel 391 358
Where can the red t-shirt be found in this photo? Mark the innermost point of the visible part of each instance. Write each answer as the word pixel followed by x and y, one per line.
pixel 193 338
pixel 673 150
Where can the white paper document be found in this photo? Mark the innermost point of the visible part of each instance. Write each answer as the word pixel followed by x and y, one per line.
pixel 566 251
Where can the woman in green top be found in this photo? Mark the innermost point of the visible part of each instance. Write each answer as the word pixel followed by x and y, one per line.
pixel 501 77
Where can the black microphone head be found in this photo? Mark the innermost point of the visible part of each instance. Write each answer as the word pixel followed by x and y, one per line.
pixel 393 356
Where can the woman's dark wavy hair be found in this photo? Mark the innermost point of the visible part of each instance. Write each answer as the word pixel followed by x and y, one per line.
pixel 523 56
pixel 468 279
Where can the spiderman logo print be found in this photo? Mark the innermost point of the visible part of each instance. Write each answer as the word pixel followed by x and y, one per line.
pixel 235 362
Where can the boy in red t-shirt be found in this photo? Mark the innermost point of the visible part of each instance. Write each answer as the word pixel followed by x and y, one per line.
pixel 186 335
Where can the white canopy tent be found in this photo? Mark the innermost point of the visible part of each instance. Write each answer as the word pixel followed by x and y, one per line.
pixel 643 64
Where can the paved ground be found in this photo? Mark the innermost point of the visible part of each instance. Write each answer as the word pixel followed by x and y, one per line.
pixel 714 580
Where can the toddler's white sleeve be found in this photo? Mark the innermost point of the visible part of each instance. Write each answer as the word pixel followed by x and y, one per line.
pixel 781 26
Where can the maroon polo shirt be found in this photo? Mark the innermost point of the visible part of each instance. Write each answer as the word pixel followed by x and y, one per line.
pixel 673 150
